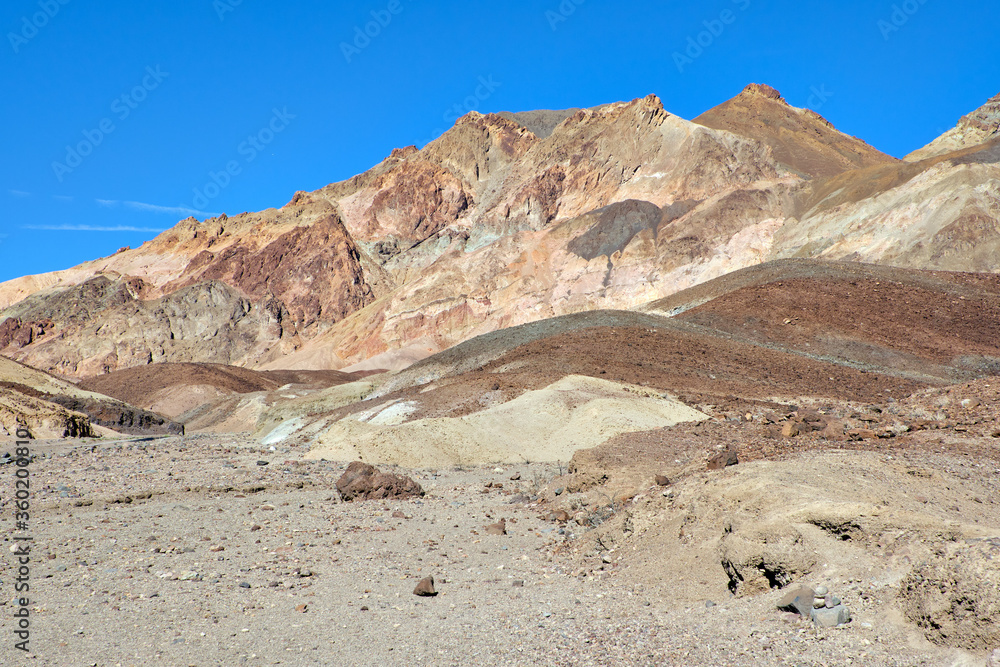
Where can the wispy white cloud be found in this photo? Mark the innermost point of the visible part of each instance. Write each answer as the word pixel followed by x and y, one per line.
pixel 90 228
pixel 179 210
pixel 19 193
pixel 156 208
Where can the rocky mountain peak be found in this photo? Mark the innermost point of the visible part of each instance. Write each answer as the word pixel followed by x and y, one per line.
pixel 763 90
pixel 986 118
pixel 802 140
pixel 972 129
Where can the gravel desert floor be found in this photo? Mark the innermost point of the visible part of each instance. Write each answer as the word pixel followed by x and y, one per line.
pixel 213 550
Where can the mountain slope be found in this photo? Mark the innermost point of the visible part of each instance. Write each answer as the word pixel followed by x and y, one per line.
pixel 411 249
pixel 801 139
pixel 940 213
pixel 978 127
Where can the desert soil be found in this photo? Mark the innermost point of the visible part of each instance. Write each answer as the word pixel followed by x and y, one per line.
pixel 202 556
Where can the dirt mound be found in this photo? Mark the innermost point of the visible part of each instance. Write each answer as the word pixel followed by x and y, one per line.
pixel 837 517
pixel 176 388
pixel 634 348
pixel 952 595
pixel 546 424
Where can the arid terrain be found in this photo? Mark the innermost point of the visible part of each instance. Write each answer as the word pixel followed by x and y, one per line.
pixel 660 382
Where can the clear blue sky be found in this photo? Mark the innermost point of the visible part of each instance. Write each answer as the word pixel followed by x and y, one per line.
pixel 161 94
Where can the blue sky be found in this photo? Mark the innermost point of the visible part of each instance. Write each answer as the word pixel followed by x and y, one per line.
pixel 121 118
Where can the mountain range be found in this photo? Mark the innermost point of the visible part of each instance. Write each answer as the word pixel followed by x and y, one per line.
pixel 512 218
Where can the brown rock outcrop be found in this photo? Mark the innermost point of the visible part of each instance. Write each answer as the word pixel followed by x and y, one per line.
pixel 362 481
pixel 425 587
pixel 498 528
pixel 41 418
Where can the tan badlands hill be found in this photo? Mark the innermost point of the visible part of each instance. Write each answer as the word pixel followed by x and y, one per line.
pixel 49 407
pixel 491 226
pixel 197 394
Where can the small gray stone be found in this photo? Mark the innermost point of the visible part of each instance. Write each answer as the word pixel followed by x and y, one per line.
pixel 821 591
pixel 819 602
pixel 829 618
pixel 559 491
pixel 244 584
pixel 709 604
pixel 797 599
pixel 832 601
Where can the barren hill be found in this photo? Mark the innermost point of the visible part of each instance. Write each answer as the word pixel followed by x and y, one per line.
pixel 674 368
pixel 49 407
pixel 785 331
pixel 173 389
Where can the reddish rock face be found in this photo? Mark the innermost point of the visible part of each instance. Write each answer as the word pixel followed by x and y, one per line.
pixel 14 332
pixel 415 201
pixel 313 271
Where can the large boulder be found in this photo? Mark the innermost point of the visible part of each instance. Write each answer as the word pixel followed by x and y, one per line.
pixel 362 481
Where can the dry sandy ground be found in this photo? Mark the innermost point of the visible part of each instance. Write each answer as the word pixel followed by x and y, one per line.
pixel 119 528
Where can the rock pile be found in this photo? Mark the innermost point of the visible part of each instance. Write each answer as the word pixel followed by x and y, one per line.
pixel 825 609
pixel 828 611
